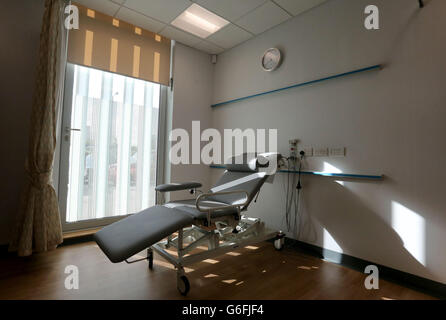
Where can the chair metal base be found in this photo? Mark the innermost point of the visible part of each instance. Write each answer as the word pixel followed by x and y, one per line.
pixel 219 241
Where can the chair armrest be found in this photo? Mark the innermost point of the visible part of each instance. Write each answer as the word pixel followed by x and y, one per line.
pixel 206 195
pixel 168 187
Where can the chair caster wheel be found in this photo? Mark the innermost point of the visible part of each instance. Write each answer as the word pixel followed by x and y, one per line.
pixel 279 242
pixel 183 285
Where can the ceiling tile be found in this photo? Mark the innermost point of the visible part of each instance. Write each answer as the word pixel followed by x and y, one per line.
pixel 161 10
pixel 229 36
pixel 103 6
pixel 263 18
pixel 139 20
pixel 180 36
pixel 208 47
pixel 297 7
pixel 118 1
pixel 230 9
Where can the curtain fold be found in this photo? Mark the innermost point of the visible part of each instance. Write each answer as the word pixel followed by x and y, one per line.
pixel 38 225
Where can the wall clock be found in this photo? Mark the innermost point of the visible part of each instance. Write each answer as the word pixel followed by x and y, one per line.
pixel 271 59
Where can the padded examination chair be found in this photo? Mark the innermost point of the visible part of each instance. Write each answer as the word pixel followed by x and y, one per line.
pixel 213 219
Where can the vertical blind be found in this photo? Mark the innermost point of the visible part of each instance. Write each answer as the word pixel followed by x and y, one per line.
pixel 113 150
pixel 109 44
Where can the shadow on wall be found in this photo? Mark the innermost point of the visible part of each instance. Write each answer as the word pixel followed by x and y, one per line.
pixel 351 227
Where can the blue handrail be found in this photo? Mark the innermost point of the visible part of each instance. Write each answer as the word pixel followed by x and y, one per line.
pixel 324 174
pixel 375 67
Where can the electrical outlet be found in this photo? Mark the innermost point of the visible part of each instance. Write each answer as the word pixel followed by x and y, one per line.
pixel 337 152
pixel 308 151
pixel 293 148
pixel 320 152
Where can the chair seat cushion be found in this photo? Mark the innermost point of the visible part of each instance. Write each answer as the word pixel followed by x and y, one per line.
pixel 188 206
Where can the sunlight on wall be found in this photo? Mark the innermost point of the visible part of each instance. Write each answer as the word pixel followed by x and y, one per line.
pixel 331 244
pixel 411 227
pixel 332 169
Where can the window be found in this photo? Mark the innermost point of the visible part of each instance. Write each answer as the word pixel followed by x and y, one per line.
pixel 110 145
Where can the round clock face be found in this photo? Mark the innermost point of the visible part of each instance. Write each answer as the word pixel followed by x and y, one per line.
pixel 271 59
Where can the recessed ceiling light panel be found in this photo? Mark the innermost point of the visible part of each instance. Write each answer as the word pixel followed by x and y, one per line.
pixel 199 21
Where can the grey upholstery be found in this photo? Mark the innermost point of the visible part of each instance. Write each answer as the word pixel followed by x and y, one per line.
pixel 250 182
pixel 177 186
pixel 188 206
pixel 242 163
pixel 124 238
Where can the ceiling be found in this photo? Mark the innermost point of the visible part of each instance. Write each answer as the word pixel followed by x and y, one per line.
pixel 248 18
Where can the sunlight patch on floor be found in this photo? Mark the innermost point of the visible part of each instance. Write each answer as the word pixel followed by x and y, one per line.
pixel 210 275
pixel 385 298
pixel 229 281
pixel 211 261
pixel 170 266
pixel 304 268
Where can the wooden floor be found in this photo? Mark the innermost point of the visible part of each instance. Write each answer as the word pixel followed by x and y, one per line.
pixel 255 272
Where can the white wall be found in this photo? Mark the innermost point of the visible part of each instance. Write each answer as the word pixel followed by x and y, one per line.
pixel 392 122
pixel 19 38
pixel 192 96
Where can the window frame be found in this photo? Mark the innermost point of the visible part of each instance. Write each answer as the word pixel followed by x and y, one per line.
pixel 61 165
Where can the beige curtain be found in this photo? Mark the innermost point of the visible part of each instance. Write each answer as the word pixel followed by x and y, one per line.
pixel 38 225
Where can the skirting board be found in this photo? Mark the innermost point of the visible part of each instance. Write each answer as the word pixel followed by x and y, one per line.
pixel 69 241
pixel 78 239
pixel 402 278
pixel 3 250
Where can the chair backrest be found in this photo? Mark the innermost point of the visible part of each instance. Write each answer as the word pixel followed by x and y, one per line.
pixel 241 174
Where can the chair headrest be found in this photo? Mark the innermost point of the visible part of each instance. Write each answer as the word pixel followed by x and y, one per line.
pixel 246 162
pixel 251 162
